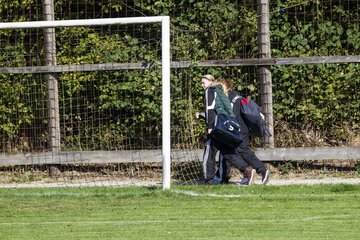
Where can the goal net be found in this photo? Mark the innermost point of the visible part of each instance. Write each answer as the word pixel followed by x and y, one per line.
pixel 87 103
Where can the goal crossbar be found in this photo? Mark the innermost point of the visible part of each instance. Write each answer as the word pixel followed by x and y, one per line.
pixel 82 22
pixel 165 66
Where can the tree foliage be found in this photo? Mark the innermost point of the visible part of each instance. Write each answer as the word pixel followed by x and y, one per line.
pixel 321 97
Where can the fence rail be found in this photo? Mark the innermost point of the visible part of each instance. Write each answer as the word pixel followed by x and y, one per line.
pixel 179 64
pixel 151 156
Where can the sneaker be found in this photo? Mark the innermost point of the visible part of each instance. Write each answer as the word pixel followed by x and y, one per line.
pixel 243 181
pixel 216 180
pixel 265 177
pixel 250 172
pixel 211 182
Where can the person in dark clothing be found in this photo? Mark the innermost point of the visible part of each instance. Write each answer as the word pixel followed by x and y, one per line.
pixel 217 102
pixel 244 150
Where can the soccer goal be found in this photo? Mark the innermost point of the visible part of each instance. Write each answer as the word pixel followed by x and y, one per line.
pixel 86 94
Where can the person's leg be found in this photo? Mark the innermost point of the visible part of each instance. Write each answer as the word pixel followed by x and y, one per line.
pixel 209 160
pixel 219 171
pixel 249 156
pixel 223 171
pixel 230 155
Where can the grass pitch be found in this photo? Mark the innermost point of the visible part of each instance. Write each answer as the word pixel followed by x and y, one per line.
pixel 184 212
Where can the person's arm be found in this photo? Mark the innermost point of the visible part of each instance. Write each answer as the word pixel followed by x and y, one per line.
pixel 235 100
pixel 237 108
pixel 210 108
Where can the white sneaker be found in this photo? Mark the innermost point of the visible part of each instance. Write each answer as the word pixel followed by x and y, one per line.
pixel 252 177
pixel 265 177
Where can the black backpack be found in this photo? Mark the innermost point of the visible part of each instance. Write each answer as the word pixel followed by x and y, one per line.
pixel 251 114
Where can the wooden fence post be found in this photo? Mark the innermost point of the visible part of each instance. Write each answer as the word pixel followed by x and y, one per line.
pixel 264 71
pixel 52 85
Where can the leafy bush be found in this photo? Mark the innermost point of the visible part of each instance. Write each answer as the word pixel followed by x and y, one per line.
pixel 309 100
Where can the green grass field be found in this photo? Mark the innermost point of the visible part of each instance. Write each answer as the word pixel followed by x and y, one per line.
pixel 186 212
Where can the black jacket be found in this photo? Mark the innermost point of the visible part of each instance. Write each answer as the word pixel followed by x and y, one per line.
pixel 236 107
pixel 215 102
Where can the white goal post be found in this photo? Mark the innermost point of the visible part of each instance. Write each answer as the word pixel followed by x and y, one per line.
pixel 165 48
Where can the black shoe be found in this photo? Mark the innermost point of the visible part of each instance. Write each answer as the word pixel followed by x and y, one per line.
pixel 265 177
pixel 210 182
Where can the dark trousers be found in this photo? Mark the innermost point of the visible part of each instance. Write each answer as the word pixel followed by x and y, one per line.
pixel 229 156
pixel 245 152
pixel 249 156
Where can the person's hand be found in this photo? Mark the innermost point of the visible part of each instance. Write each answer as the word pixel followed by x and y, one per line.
pixel 209 130
pixel 200 115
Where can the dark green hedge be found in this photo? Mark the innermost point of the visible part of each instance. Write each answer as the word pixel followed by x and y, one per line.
pixel 313 104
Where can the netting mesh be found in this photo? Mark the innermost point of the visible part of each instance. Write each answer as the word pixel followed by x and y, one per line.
pixel 102 111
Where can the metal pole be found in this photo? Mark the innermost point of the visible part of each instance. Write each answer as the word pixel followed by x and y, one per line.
pixel 166 133
pixel 52 85
pixel 264 71
pixel 80 22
